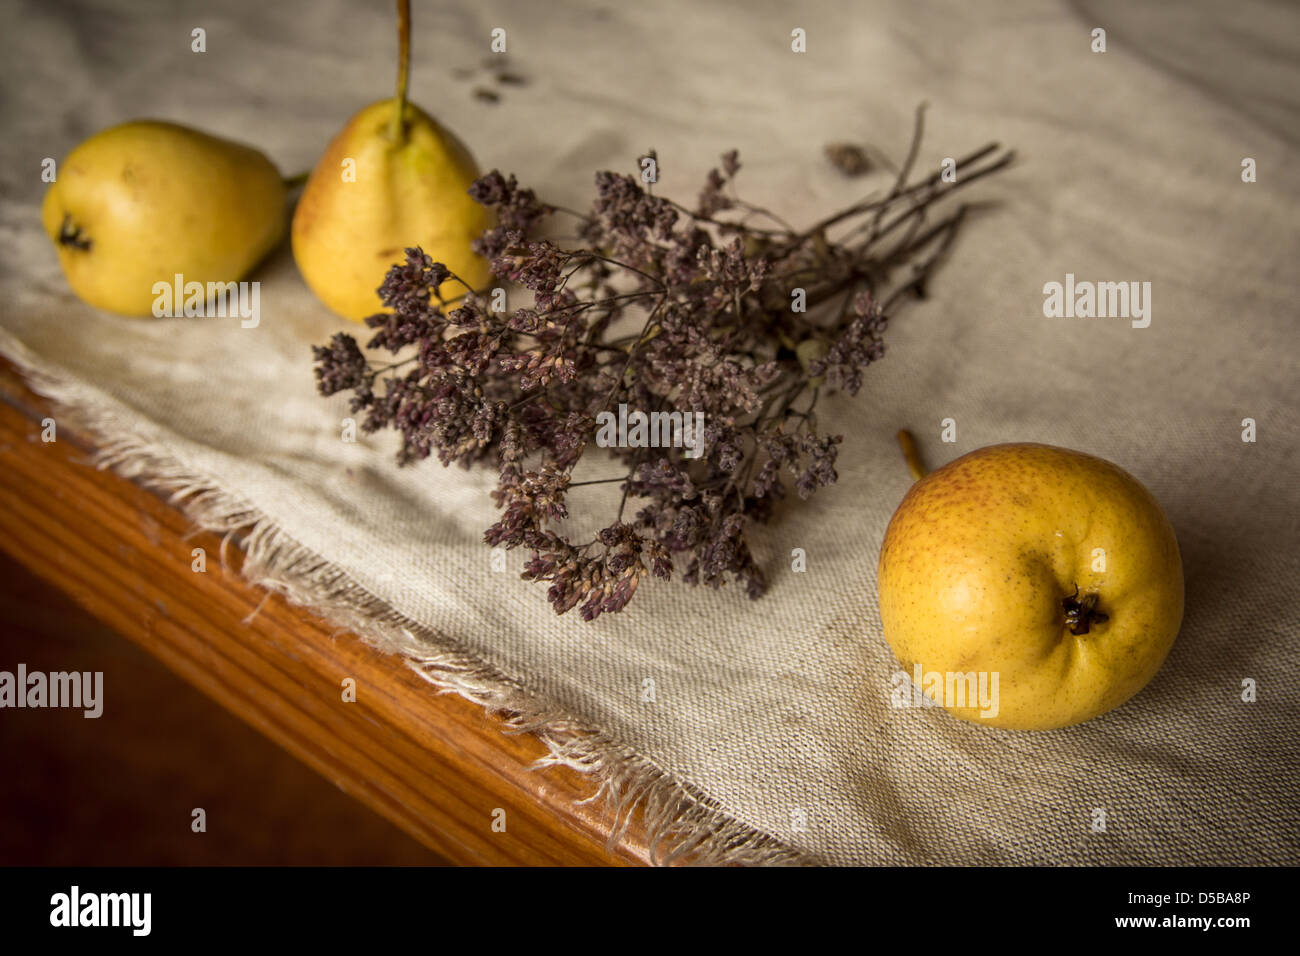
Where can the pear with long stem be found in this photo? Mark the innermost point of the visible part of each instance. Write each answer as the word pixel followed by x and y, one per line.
pixel 392 178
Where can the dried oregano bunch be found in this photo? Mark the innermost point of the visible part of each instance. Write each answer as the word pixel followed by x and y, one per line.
pixel 662 317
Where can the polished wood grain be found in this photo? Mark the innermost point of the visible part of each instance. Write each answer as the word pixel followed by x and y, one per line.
pixel 435 765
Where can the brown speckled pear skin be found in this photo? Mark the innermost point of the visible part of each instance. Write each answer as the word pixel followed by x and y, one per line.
pixel 982 557
pixel 145 201
pixel 346 233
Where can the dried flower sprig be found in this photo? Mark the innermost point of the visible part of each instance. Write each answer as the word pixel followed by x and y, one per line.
pixel 661 308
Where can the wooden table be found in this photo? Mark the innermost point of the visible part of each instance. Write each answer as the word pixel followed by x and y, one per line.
pixel 435 765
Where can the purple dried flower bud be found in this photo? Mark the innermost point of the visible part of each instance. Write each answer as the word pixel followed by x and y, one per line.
pixel 492 189
pixel 712 199
pixel 340 365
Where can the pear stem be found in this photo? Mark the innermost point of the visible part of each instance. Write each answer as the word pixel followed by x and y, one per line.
pixel 397 129
pixel 911 456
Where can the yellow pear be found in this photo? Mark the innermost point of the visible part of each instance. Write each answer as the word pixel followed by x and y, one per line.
pixel 1030 587
pixel 145 201
pixel 371 196
pixel 391 179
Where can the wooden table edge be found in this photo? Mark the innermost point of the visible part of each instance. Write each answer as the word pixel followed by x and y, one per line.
pixel 436 765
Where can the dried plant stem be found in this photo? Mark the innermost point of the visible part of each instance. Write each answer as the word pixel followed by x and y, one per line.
pixel 397 127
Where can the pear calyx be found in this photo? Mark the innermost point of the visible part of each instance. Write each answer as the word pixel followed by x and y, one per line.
pixel 1081 612
pixel 70 235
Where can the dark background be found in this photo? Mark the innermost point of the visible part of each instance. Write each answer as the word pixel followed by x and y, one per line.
pixel 119 789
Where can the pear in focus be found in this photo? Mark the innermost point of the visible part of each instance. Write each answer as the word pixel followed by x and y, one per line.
pixel 145 201
pixel 1048 576
pixel 391 179
pixel 373 194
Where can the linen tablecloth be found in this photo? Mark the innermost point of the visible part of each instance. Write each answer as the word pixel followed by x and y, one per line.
pixel 770 737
